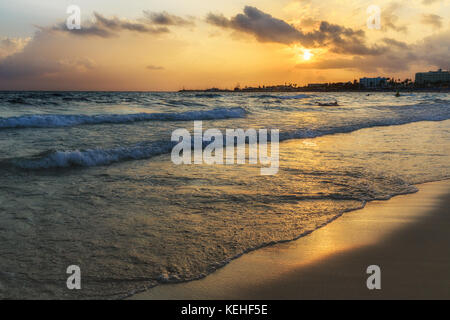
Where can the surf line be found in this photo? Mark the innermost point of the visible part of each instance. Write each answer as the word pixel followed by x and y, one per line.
pixel 209 147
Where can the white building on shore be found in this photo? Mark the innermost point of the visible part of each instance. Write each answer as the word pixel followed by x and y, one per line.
pixel 373 83
pixel 433 77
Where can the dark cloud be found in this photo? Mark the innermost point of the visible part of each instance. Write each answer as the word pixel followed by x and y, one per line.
pixel 117 24
pixel 269 29
pixel 90 30
pixel 262 25
pixel 218 20
pixel 432 19
pixel 433 51
pixel 395 43
pixel 345 40
pixel 109 27
pixel 167 19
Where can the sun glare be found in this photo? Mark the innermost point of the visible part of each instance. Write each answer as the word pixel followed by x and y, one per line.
pixel 307 54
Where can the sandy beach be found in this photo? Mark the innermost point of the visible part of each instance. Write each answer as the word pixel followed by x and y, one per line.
pixel 406 236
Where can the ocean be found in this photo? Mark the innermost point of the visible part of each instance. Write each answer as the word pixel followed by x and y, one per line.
pixel 87 180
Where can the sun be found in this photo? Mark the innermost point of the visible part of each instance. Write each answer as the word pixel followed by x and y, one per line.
pixel 307 55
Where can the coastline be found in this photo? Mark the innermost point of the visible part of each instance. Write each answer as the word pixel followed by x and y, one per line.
pixel 407 236
pixel 315 90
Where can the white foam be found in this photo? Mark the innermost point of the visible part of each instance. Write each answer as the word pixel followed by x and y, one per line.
pixel 347 128
pixel 95 157
pixel 52 120
pixel 98 157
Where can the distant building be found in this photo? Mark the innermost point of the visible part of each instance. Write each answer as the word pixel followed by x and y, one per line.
pixel 433 77
pixel 372 83
pixel 317 85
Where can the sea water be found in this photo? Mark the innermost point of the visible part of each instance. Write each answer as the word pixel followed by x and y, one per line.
pixel 87 180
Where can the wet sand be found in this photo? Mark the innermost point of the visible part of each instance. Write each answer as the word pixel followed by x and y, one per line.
pixel 408 237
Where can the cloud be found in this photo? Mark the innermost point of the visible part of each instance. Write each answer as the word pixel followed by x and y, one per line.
pixel 11 68
pixel 51 55
pixel 167 19
pixel 41 57
pixel 78 64
pixel 262 25
pixel 10 46
pixel 153 23
pixel 90 30
pixel 370 64
pixel 390 20
pixel 432 19
pixel 218 20
pixel 30 61
pixel 435 49
pixel 428 2
pixel 116 24
pixel 48 53
pixel 17 67
pixel 395 43
pixel 266 28
pixel 309 22
pixel 345 40
pixel 431 51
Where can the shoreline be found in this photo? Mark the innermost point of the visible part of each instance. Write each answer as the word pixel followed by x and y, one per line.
pixel 418 90
pixel 208 91
pixel 330 263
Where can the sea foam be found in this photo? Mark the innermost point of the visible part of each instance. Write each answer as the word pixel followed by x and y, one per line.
pixel 94 157
pixel 145 150
pixel 53 120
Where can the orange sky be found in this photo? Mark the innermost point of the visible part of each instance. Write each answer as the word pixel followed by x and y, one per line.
pixel 200 44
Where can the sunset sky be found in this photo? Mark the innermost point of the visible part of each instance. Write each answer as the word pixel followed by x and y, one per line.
pixel 168 45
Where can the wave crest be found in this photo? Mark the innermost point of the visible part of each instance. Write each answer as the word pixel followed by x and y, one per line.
pixel 53 120
pixel 98 157
pixel 94 157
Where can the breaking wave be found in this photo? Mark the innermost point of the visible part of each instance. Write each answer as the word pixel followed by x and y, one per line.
pixel 94 157
pixel 53 120
pixel 347 128
pixel 145 150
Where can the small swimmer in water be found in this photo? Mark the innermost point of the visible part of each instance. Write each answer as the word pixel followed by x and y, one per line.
pixel 329 104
